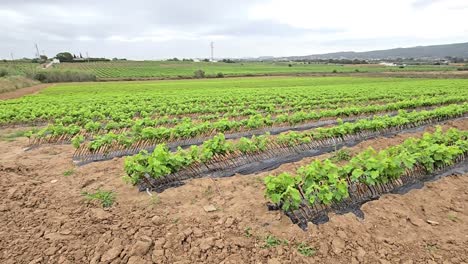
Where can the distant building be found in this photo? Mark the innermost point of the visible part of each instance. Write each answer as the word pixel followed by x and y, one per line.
pixel 388 64
pixel 54 61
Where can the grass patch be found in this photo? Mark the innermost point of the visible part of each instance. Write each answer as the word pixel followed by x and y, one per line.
pixel 11 83
pixel 106 198
pixel 13 136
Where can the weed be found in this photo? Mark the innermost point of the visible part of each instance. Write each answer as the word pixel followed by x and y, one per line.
pixel 106 198
pixel 306 250
pixel 248 231
pixel 12 136
pixel 208 191
pixel 431 248
pixel 272 241
pixel 342 154
pixel 452 217
pixel 154 200
pixel 68 172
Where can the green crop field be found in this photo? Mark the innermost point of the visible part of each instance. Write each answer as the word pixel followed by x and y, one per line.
pixel 118 115
pixel 172 69
pixel 174 130
pixel 19 67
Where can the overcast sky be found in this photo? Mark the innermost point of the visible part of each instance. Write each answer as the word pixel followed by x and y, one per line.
pixel 155 29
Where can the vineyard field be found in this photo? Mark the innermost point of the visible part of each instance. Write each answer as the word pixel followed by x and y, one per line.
pixel 269 159
pixel 171 69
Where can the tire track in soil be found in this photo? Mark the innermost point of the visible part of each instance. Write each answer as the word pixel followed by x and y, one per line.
pixel 24 91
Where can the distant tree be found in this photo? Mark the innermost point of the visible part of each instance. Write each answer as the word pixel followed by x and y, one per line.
pixel 74 56
pixel 289 65
pixel 199 74
pixel 81 56
pixel 228 61
pixel 115 59
pixel 3 72
pixel 206 60
pixel 64 56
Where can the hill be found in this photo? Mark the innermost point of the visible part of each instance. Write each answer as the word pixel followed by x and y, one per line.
pixel 419 52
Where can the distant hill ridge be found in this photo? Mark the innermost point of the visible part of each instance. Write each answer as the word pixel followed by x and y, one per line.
pixel 430 52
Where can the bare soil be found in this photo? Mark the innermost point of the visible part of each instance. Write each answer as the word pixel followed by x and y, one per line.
pixel 44 218
pixel 24 91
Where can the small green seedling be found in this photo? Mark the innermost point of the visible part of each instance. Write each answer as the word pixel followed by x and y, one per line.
pixel 68 172
pixel 272 241
pixel 431 248
pixel 452 217
pixel 305 250
pixel 106 198
pixel 248 231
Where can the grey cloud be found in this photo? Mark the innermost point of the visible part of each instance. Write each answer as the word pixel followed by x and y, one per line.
pixel 154 29
pixel 421 4
pixel 268 28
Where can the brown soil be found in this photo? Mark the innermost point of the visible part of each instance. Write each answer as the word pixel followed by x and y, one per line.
pixel 24 91
pixel 45 219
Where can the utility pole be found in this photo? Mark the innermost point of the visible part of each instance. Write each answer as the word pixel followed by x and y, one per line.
pixel 38 54
pixel 87 56
pixel 12 60
pixel 212 51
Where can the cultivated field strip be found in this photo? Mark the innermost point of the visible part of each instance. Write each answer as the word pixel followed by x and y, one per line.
pixel 139 130
pixel 361 193
pixel 323 186
pixel 128 70
pixel 274 157
pixel 84 155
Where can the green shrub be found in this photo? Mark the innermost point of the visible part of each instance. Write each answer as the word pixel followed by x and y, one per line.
pixel 11 83
pixel 52 76
pixel 220 75
pixel 199 74
pixel 3 72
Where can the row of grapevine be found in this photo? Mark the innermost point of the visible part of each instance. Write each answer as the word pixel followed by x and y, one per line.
pixel 147 136
pixel 125 109
pixel 322 186
pixel 220 154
